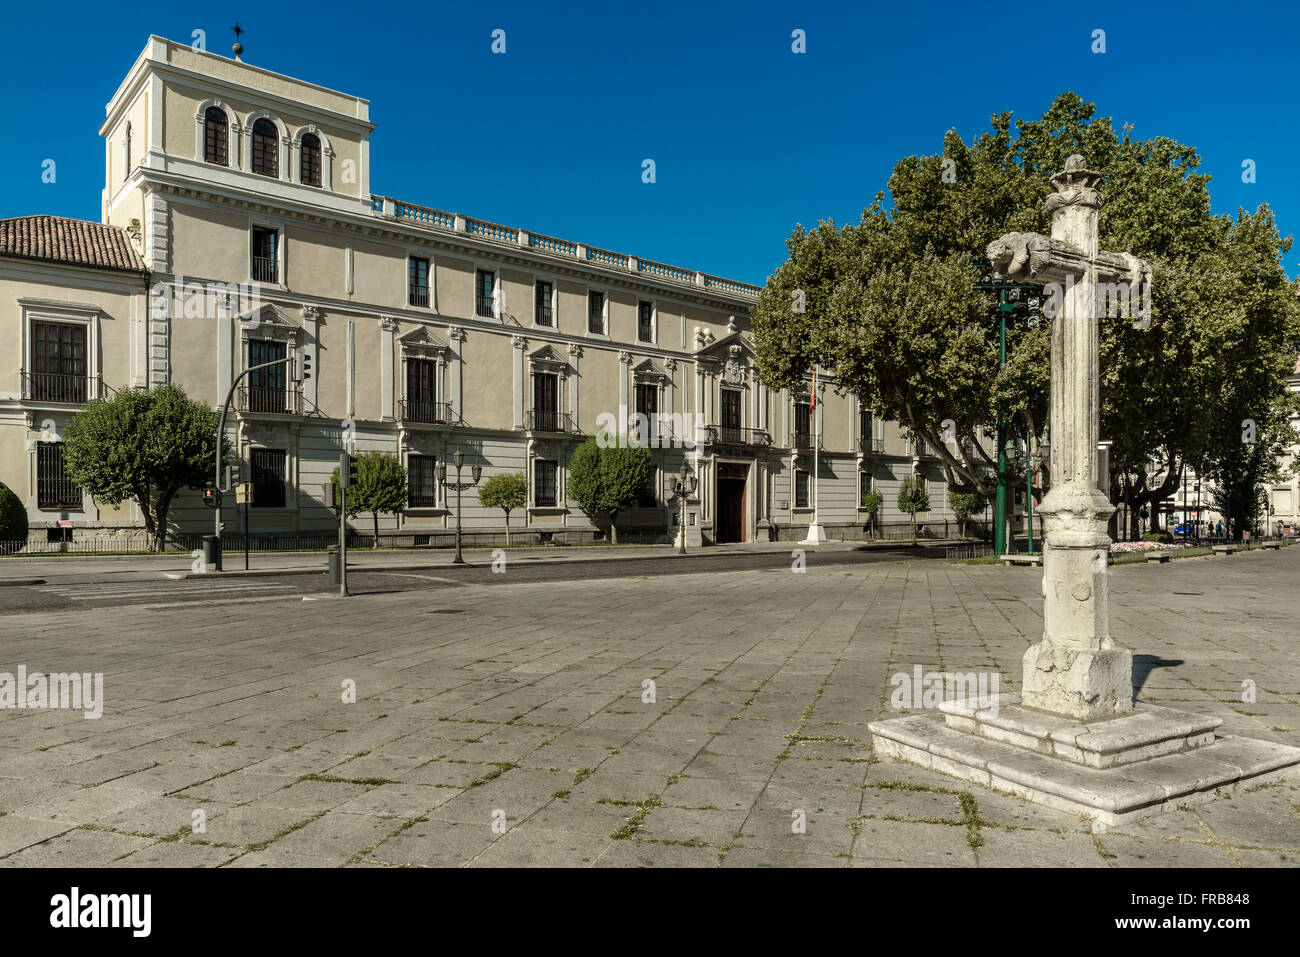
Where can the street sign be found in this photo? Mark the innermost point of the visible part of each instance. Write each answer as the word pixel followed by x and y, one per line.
pixel 244 493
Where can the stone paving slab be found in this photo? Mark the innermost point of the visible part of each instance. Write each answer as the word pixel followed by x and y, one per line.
pixel 530 703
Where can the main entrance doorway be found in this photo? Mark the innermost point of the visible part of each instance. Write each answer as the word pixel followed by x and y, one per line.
pixel 730 525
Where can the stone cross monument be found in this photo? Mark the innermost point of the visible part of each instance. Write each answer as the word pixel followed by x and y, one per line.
pixel 1076 669
pixel 1075 740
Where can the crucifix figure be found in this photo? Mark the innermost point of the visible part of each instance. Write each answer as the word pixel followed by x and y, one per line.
pixel 1076 669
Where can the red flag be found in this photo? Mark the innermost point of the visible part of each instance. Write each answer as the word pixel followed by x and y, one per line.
pixel 812 399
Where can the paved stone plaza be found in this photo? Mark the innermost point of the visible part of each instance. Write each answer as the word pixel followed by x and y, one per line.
pixel 521 706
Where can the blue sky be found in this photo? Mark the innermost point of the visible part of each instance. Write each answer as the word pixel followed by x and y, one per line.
pixel 748 137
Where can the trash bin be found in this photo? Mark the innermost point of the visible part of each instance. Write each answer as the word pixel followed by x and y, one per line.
pixel 212 551
pixel 335 567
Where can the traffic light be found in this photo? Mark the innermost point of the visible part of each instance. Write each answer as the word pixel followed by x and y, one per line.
pixel 211 496
pixel 347 470
pixel 306 365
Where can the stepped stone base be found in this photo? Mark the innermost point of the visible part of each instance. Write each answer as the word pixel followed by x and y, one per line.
pixel 1115 770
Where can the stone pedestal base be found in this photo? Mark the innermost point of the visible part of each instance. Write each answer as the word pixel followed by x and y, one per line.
pixel 1079 683
pixel 1115 770
pixel 816 535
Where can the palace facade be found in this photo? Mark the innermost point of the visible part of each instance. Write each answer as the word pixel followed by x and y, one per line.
pixel 239 227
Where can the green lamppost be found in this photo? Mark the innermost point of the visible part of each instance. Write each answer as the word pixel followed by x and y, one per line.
pixel 1012 297
pixel 1032 463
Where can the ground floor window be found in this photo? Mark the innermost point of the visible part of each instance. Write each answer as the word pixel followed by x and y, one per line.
pixel 647 498
pixel 268 468
pixel 544 483
pixel 422 481
pixel 864 487
pixel 801 490
pixel 54 490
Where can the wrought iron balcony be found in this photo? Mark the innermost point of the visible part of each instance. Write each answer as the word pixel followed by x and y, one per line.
pixel 270 400
pixel 804 440
pixel 62 389
pixel 418 295
pixel 730 435
pixel 545 421
pixel 264 269
pixel 867 443
pixel 424 412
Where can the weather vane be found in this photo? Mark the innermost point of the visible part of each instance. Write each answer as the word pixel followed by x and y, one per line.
pixel 238 47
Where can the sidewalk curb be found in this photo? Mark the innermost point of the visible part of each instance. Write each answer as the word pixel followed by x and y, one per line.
pixel 21 581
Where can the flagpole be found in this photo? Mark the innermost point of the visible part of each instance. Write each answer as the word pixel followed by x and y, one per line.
pixel 816 534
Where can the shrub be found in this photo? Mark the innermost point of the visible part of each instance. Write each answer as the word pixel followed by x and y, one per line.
pixel 13 517
pixel 1158 535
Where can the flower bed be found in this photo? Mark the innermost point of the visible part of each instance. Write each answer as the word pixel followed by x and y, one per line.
pixel 1120 548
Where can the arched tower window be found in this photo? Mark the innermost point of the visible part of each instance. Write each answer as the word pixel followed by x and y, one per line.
pixel 216 129
pixel 266 148
pixel 311 159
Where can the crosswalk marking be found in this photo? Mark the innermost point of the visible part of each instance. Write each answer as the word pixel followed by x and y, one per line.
pixel 187 592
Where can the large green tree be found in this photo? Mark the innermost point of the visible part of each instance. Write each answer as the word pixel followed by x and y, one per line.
pixel 380 487
pixel 605 481
pixel 143 445
pixel 891 303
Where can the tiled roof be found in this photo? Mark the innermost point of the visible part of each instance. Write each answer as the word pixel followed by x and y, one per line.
pixel 76 241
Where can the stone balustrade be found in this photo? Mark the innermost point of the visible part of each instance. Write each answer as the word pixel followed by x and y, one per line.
pixel 495 232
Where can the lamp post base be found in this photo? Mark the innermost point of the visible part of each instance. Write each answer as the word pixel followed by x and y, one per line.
pixel 816 535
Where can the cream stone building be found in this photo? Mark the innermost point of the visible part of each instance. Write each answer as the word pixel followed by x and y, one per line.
pixel 239 227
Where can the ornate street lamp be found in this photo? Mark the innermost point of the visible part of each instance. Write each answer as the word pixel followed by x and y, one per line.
pixel 683 489
pixel 458 485
pixel 1032 464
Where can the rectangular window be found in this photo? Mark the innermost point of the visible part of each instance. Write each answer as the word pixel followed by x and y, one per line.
pixel 646 498
pixel 54 490
pixel 266 388
pixel 803 417
pixel 484 293
pixel 647 399
pixel 730 416
pixel 801 490
pixel 58 372
pixel 645 312
pixel 865 427
pixel 265 243
pixel 543 483
pixel 268 477
pixel 864 486
pixel 422 403
pixel 422 481
pixel 546 416
pixel 543 303
pixel 596 312
pixel 417 282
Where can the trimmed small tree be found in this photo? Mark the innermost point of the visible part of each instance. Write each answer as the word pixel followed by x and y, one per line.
pixel 871 502
pixel 507 492
pixel 380 487
pixel 143 445
pixel 964 505
pixel 605 481
pixel 13 518
pixel 913 498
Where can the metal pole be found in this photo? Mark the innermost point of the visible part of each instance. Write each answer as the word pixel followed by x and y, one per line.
pixel 245 532
pixel 221 434
pixel 1000 503
pixel 458 560
pixel 343 540
pixel 1029 496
